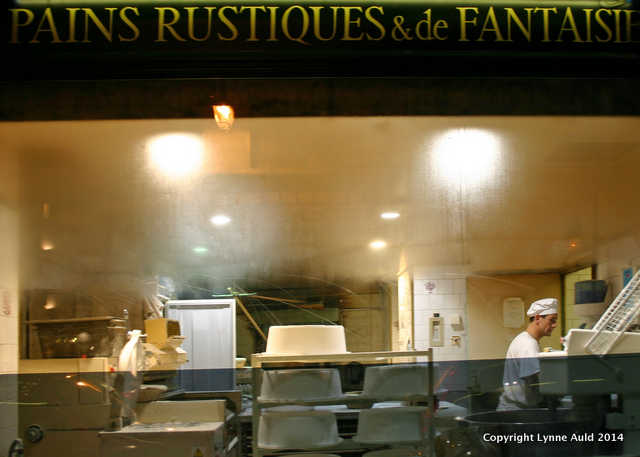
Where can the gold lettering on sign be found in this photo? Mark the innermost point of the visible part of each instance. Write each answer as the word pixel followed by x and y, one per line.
pixel 587 19
pixel 16 24
pixel 512 18
pixel 129 23
pixel 226 21
pixel 272 22
pixel 545 21
pixel 162 24
pixel 252 20
pixel 630 24
pixel 305 24
pixel 72 25
pixel 89 14
pixel 604 26
pixel 431 32
pixel 426 22
pixel 191 22
pixel 440 24
pixel 348 22
pixel 495 28
pixel 568 18
pixel 617 16
pixel 317 15
pixel 377 24
pixel 464 21
pixel 48 18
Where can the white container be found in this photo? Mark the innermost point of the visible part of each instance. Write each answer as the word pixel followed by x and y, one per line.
pixel 392 425
pixel 303 384
pixel 297 430
pixel 396 381
pixel 306 340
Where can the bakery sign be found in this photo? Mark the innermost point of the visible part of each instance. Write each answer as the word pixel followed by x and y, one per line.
pixel 340 26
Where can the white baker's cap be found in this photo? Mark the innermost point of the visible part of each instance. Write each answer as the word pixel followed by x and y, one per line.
pixel 543 307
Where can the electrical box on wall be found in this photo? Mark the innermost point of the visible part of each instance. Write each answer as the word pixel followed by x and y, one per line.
pixel 436 331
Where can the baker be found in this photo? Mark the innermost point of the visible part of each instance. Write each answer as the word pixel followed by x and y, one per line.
pixel 521 366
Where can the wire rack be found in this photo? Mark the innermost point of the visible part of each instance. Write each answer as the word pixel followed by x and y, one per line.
pixel 616 319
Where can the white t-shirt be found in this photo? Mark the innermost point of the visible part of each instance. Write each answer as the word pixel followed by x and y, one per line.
pixel 521 362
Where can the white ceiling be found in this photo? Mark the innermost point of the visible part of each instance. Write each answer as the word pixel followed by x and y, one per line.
pixel 305 195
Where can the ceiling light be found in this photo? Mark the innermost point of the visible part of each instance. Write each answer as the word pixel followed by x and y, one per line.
pixel 224 116
pixel 176 154
pixel 200 250
pixel 378 244
pixel 220 219
pixel 390 215
pixel 467 156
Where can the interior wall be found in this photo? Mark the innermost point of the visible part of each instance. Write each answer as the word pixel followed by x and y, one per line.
pixel 571 319
pixel 615 257
pixel 365 320
pixel 8 325
pixel 488 337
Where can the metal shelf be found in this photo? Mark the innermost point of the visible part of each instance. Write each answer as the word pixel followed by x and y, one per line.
pixel 617 318
pixel 258 360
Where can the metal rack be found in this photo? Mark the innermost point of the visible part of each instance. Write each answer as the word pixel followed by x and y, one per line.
pixel 616 319
pixel 258 360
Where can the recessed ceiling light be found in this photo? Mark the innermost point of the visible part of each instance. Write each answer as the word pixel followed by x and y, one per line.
pixel 200 250
pixel 176 154
pixel 220 219
pixel 390 215
pixel 378 244
pixel 470 156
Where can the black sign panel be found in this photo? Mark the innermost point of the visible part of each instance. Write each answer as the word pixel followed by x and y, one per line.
pixel 125 38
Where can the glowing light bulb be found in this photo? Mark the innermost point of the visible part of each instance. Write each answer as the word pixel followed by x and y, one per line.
pixel 224 116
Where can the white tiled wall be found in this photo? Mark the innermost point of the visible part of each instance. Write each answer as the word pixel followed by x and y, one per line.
pixel 447 297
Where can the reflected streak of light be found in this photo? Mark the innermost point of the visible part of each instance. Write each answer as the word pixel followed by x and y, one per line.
pixel 89 385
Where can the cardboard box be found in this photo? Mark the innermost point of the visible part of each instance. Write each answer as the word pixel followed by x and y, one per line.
pixel 158 330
